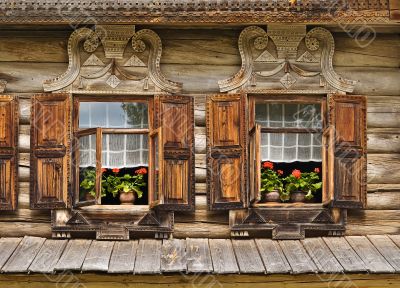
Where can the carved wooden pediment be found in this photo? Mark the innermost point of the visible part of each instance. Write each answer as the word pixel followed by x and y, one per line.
pixel 113 59
pixel 286 58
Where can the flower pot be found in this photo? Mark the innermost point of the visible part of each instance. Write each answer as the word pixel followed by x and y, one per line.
pixel 127 198
pixel 270 197
pixel 89 197
pixel 297 197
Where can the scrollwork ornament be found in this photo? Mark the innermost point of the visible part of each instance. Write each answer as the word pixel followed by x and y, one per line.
pixel 138 46
pixel 312 43
pixel 260 43
pixel 91 44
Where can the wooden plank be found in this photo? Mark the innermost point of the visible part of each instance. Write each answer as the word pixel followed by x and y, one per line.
pixel 272 256
pixel 48 256
pixel 123 257
pixel 297 257
pixel 148 257
pixel 371 257
pixel 98 256
pixel 7 247
pixel 247 256
pixel 388 249
pixel 198 255
pixel 74 255
pixel 223 256
pixel 321 255
pixel 346 256
pixel 23 255
pixel 173 255
pixel 395 239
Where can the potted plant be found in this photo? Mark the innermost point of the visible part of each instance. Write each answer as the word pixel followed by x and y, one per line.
pixel 126 186
pixel 271 184
pixel 302 186
pixel 89 184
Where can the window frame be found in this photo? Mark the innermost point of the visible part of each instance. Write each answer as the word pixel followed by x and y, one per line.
pixel 99 132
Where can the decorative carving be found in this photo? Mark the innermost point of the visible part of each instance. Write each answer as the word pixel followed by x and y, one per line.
pixel 254 217
pixel 77 219
pixel 319 45
pixel 149 219
pixel 112 75
pixel 3 84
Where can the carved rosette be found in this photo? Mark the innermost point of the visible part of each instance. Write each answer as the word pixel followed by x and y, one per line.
pixel 281 59
pixel 112 73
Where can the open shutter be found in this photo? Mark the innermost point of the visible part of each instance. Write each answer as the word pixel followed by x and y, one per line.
pixel 255 163
pixel 345 152
pixel 172 154
pixel 8 152
pixel 50 138
pixel 226 151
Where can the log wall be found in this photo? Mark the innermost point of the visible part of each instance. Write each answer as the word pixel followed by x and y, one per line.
pixel 199 58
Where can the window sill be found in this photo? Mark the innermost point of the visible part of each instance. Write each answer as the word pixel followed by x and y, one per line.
pixel 287 205
pixel 115 208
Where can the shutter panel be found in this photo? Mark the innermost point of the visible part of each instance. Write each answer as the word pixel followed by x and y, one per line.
pixel 50 137
pixel 8 152
pixel 345 145
pixel 226 151
pixel 174 142
pixel 255 163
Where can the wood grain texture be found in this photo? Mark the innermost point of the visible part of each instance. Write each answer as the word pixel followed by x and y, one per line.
pixel 74 255
pixel 173 255
pixel 48 256
pixel 321 255
pixel 273 257
pixel 98 256
pixel 198 255
pixel 346 256
pixel 7 248
pixel 123 257
pixel 148 257
pixel 223 256
pixel 23 255
pixel 388 249
pixel 297 257
pixel 247 256
pixel 371 257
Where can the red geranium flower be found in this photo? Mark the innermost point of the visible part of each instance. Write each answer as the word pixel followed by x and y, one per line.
pixel 268 165
pixel 316 170
pixel 141 171
pixel 115 170
pixel 296 173
pixel 280 172
pixel 103 170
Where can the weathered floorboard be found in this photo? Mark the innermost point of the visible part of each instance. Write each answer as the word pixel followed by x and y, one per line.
pixel 297 257
pixel 7 247
pixel 272 256
pixel 148 257
pixel 123 257
pixel 346 256
pixel 371 257
pixel 173 255
pixel 23 256
pixel 388 249
pixel 198 255
pixel 74 255
pixel 247 256
pixel 48 256
pixel 321 255
pixel 223 256
pixel 98 256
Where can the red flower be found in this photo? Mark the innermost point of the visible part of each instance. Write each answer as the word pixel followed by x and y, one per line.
pixel 280 172
pixel 103 170
pixel 115 170
pixel 141 171
pixel 268 165
pixel 296 173
pixel 316 170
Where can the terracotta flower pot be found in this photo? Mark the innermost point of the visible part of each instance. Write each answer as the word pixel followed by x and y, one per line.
pixel 297 197
pixel 271 197
pixel 127 198
pixel 89 197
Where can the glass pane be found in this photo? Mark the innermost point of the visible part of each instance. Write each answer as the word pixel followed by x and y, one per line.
pixel 113 115
pixel 87 168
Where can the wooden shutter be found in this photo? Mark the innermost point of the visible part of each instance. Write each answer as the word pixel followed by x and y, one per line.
pixel 8 152
pixel 50 138
pixel 172 154
pixel 226 151
pixel 345 152
pixel 255 163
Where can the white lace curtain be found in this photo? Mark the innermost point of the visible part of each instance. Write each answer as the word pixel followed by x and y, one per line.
pixel 290 147
pixel 119 150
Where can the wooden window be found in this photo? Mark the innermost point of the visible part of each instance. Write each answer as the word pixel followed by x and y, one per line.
pixel 8 152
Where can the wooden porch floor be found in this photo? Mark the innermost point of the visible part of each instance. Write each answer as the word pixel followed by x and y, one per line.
pixel 353 254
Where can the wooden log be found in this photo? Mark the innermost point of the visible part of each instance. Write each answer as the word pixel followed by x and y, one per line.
pixel 383 140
